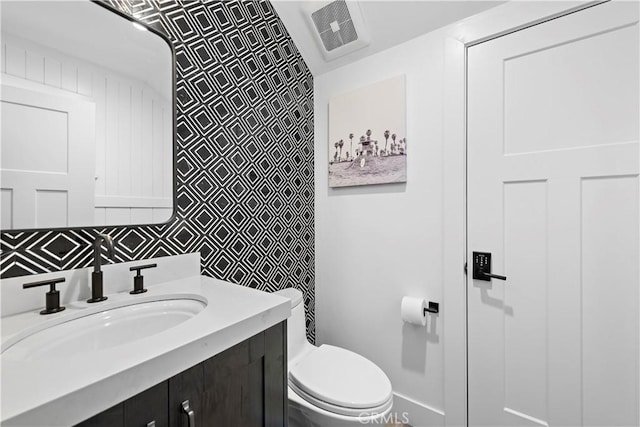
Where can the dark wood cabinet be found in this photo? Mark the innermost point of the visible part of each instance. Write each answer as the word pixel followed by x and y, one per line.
pixel 246 385
pixel 234 384
pixel 276 379
pixel 148 408
pixel 112 417
pixel 187 388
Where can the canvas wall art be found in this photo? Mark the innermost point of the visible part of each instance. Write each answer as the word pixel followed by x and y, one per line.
pixel 367 135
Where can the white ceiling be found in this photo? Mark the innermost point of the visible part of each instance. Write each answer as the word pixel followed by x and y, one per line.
pixel 389 23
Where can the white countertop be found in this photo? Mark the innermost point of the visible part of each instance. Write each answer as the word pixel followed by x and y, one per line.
pixel 64 392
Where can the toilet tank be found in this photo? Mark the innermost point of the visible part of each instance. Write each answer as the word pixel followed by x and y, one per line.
pixel 296 324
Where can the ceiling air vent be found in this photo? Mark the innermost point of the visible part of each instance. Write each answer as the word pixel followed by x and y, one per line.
pixel 339 28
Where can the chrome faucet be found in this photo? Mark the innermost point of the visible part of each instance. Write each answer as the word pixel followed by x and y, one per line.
pixel 97 291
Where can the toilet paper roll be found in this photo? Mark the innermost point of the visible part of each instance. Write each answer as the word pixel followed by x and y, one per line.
pixel 412 310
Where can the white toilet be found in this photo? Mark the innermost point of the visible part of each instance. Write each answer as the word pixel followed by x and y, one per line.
pixel 331 386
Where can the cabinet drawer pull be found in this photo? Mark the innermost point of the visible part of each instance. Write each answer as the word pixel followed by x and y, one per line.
pixel 190 413
pixel 151 423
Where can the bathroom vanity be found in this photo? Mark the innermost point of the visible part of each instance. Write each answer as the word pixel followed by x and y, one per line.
pixel 224 365
pixel 242 386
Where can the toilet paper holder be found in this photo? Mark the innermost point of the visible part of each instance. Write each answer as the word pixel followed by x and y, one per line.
pixel 434 307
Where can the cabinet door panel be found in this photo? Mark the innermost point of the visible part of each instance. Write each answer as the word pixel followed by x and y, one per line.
pixel 187 385
pixel 112 417
pixel 253 396
pixel 234 385
pixel 239 355
pixel 237 399
pixel 276 401
pixel 148 406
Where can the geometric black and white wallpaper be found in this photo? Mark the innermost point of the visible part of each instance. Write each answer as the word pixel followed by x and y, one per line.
pixel 245 187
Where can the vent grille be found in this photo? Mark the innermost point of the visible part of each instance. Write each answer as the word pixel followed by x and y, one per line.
pixel 333 23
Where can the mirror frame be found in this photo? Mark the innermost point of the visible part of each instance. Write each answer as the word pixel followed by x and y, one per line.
pixel 174 120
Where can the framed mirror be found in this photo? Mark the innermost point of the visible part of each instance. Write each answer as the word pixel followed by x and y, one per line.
pixel 87 118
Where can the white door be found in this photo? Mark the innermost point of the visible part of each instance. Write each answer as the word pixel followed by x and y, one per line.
pixel 48 159
pixel 553 195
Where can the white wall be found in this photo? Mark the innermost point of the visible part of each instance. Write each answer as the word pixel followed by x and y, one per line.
pixel 363 266
pixel 376 244
pixel 134 154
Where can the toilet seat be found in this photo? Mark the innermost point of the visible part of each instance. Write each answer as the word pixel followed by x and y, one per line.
pixel 341 410
pixel 341 381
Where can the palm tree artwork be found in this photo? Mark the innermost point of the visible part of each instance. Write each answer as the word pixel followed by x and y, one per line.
pixel 351 143
pixel 365 135
pixel 386 139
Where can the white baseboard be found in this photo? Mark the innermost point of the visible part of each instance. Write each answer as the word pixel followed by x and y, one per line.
pixel 415 413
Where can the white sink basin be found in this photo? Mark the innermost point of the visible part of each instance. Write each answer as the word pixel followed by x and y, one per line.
pixel 95 331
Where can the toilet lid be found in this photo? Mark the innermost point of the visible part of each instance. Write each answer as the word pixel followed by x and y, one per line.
pixel 341 377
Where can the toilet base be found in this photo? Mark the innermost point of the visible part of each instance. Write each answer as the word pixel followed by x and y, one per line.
pixel 304 414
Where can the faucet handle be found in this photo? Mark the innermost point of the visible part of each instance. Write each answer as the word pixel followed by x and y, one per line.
pixel 138 279
pixel 52 298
